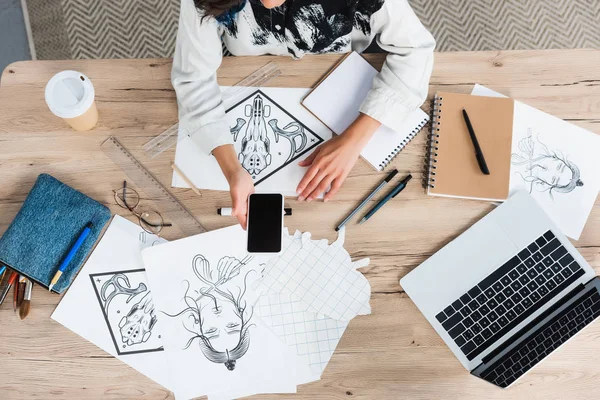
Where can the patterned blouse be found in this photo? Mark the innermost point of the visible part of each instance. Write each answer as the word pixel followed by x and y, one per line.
pixel 296 28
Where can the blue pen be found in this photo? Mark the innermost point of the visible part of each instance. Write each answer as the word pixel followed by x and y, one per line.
pixel 393 193
pixel 84 234
pixel 2 269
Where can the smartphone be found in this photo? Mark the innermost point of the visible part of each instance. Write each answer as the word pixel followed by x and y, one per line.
pixel 265 222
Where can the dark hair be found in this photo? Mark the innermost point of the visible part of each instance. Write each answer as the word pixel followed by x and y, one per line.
pixel 203 271
pixel 216 8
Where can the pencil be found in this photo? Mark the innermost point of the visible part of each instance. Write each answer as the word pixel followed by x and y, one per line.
pixel 186 179
pixel 70 255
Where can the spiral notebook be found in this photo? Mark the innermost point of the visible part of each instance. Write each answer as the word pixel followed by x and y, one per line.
pixel 336 101
pixel 451 166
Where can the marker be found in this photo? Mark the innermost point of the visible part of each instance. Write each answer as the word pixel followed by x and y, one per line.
pixel 84 234
pixel 393 193
pixel 227 211
pixel 367 199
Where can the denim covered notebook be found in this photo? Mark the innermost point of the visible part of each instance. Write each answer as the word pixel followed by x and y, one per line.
pixel 45 229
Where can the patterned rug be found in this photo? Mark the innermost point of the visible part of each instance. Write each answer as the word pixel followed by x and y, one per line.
pixel 65 29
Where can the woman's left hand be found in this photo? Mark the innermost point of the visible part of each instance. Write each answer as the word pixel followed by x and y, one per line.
pixel 332 161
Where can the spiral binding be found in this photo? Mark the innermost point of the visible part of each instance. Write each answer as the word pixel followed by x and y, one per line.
pixel 394 153
pixel 429 165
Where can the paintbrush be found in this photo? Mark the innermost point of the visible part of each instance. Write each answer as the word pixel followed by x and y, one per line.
pixel 11 279
pixel 24 310
pixel 15 296
pixel 22 283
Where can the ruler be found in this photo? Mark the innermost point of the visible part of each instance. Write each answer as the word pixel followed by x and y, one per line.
pixel 169 207
pixel 232 95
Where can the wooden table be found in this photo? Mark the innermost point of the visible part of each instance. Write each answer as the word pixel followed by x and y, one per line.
pixel 392 353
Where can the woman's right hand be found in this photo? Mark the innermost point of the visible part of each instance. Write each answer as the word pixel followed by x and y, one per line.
pixel 240 187
pixel 240 183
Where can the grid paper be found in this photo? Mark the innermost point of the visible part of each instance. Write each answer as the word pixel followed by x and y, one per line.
pixel 320 275
pixel 314 337
pixel 302 289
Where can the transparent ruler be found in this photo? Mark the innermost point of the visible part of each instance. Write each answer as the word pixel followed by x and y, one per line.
pixel 237 92
pixel 171 209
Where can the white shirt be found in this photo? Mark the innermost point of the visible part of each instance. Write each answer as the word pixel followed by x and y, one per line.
pixel 300 27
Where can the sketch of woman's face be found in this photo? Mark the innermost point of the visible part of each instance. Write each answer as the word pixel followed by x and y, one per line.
pixel 221 324
pixel 553 171
pixel 544 169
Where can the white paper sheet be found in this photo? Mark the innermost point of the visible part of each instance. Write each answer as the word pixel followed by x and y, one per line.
pixel 314 337
pixel 336 101
pixel 202 284
pixel 321 275
pixel 556 162
pixel 309 294
pixel 278 132
pixel 120 319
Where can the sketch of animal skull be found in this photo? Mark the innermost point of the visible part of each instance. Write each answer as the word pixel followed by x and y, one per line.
pixel 136 326
pixel 255 155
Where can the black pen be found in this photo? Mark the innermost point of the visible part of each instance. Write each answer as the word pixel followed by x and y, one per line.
pixel 478 153
pixel 393 193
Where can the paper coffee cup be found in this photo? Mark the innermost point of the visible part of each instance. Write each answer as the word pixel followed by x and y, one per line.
pixel 70 96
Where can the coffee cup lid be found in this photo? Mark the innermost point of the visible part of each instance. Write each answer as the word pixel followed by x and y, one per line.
pixel 69 94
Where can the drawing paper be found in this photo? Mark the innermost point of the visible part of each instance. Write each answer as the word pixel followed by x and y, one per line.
pixel 309 294
pixel 213 341
pixel 557 162
pixel 271 131
pixel 314 337
pixel 110 304
pixel 321 275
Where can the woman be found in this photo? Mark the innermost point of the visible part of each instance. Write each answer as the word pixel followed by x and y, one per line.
pixel 296 28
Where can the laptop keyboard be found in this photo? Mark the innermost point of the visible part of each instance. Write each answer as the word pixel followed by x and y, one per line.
pixel 547 338
pixel 509 295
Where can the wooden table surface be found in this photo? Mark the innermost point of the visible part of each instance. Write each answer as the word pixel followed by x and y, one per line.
pixel 392 353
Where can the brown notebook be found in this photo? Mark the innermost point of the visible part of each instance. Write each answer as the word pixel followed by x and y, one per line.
pixel 453 170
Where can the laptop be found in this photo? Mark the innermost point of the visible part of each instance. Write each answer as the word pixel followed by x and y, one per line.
pixel 506 293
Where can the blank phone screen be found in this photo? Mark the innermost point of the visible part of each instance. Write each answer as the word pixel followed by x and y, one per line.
pixel 265 221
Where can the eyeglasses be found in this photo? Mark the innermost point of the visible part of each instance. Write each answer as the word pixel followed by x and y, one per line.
pixel 129 199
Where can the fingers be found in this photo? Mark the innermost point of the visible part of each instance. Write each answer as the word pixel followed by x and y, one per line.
pixel 336 184
pixel 321 187
pixel 242 218
pixel 312 185
pixel 240 208
pixel 307 180
pixel 309 160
